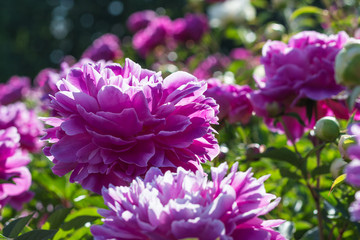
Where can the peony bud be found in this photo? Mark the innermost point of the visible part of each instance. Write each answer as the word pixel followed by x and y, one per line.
pixel 273 109
pixel 274 31
pixel 344 143
pixel 347 65
pixel 336 167
pixel 327 129
pixel 252 150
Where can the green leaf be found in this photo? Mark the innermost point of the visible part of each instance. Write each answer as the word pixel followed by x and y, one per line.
pixel 78 219
pixel 296 116
pixel 10 180
pixel 14 228
pixel 337 181
pixel 312 234
pixel 306 10
pixel 286 173
pixel 37 235
pixel 282 154
pixel 56 218
pixel 353 96
pixel 325 169
pixel 351 119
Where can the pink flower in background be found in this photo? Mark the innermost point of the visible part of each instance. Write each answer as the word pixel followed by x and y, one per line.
pixel 106 47
pixel 240 54
pixel 12 168
pixel 355 208
pixel 186 205
pixel 297 74
pixel 158 32
pixel 46 81
pixel 117 122
pixel 192 27
pixel 210 65
pixel 14 90
pixel 303 68
pixel 234 100
pixel 140 20
pixel 26 122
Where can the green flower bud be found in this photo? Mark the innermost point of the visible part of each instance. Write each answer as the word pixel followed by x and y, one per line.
pixel 274 109
pixel 344 143
pixel 274 31
pixel 347 65
pixel 336 167
pixel 327 129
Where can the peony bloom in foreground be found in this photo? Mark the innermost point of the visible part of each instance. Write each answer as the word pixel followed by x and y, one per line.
pixel 234 100
pixel 106 47
pixel 26 123
pixel 117 122
pixel 12 168
pixel 186 205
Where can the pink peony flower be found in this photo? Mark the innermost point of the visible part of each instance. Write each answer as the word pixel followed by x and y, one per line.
pixel 12 168
pixel 192 27
pixel 240 54
pixel 140 20
pixel 26 123
pixel 106 47
pixel 355 208
pixel 303 68
pixel 185 205
pixel 234 100
pixel 297 74
pixel 117 122
pixel 156 33
pixel 14 90
pixel 210 65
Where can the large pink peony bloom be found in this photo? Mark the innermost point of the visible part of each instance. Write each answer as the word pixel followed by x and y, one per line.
pixel 106 47
pixel 186 205
pixel 26 122
pixel 116 122
pixel 192 27
pixel 12 168
pixel 234 100
pixel 14 90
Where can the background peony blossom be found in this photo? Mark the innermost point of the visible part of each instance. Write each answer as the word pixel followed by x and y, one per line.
pixel 106 47
pixel 14 90
pixel 355 208
pixel 186 205
pixel 210 65
pixel 26 122
pixel 234 100
pixel 158 32
pixel 192 27
pixel 140 20
pixel 116 122
pixel 298 74
pixel 12 168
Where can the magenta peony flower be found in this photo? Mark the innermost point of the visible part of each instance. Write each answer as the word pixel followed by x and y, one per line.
pixel 296 74
pixel 106 47
pixel 210 65
pixel 12 168
pixel 46 81
pixel 14 90
pixel 192 27
pixel 140 20
pixel 26 123
pixel 117 122
pixel 240 54
pixel 233 100
pixel 186 205
pixel 156 33
pixel 355 208
pixel 303 68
